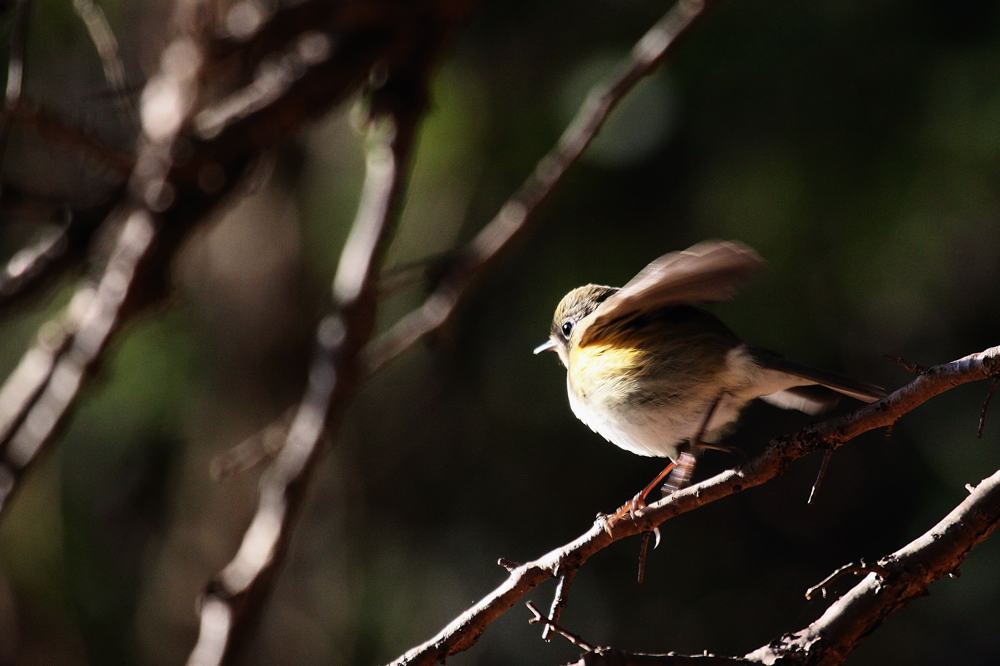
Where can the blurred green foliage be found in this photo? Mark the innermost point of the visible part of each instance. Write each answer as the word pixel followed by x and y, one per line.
pixel 856 146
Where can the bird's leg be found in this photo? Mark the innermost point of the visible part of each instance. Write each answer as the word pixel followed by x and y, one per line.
pixel 683 470
pixel 639 501
pixel 688 458
pixel 684 466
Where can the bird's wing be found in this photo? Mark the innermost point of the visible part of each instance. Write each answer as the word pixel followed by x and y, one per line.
pixel 706 272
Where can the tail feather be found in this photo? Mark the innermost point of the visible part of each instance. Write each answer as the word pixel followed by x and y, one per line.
pixel 849 387
pixel 806 399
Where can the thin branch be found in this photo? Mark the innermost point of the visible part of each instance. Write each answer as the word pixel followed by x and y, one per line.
pixel 512 219
pixel 552 625
pixel 606 656
pixel 36 398
pixel 986 406
pixel 234 599
pixel 16 65
pixel 462 632
pixel 107 50
pixel 901 577
pixel 612 657
pixel 640 569
pixel 909 366
pixel 824 466
pixel 850 568
pixel 507 565
pixel 39 265
pixel 559 600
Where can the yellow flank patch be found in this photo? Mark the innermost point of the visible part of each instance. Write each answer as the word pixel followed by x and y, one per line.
pixel 595 364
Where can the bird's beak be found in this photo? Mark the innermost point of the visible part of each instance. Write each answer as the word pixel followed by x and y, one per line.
pixel 548 345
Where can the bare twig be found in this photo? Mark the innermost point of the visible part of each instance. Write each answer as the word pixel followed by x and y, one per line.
pixel 612 657
pixel 513 217
pixel 640 574
pixel 824 465
pixel 16 65
pixel 909 366
pixel 508 565
pixel 465 629
pixel 552 625
pixel 36 398
pixel 259 448
pixel 901 576
pixel 559 600
pixel 840 572
pixel 40 264
pixel 986 406
pixel 107 50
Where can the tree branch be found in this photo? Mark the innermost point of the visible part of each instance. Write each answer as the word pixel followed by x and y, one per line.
pixel 234 598
pixel 167 199
pixel 106 45
pixel 901 577
pixel 16 66
pixel 34 267
pixel 462 632
pixel 889 584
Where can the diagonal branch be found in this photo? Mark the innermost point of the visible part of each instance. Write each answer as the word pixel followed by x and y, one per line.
pixel 36 266
pixel 891 583
pixel 901 577
pixel 513 217
pixel 234 599
pixel 106 44
pixel 462 632
pixel 16 65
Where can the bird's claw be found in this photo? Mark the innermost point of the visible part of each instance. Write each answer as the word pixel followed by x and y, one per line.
pixel 632 509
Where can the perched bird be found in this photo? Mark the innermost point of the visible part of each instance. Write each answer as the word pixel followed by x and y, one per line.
pixel 657 376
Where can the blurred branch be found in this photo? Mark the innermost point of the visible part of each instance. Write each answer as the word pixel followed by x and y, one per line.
pixel 167 198
pixel 899 577
pixel 40 264
pixel 233 599
pixel 462 632
pixel 889 584
pixel 513 217
pixel 14 86
pixel 106 45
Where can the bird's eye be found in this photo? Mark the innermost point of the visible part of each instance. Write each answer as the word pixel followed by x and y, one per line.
pixel 567 328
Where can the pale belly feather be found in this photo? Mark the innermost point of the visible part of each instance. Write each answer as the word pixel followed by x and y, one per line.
pixel 657 427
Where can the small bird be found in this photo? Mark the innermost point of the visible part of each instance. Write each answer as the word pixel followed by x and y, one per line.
pixel 657 376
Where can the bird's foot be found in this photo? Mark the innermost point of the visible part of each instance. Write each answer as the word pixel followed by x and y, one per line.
pixel 630 509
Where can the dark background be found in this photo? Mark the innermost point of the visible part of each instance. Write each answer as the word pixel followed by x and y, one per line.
pixel 856 146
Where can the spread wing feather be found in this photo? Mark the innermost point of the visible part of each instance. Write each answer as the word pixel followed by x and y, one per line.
pixel 706 272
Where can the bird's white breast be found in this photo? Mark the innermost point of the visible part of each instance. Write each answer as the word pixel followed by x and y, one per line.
pixel 657 427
